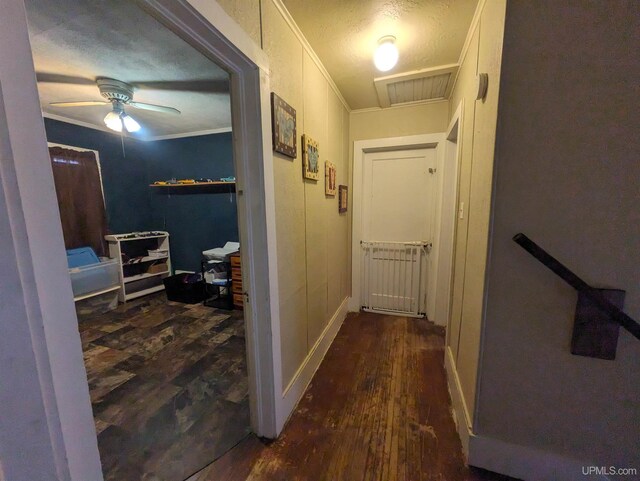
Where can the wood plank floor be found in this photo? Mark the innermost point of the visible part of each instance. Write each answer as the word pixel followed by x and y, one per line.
pixel 168 386
pixel 378 409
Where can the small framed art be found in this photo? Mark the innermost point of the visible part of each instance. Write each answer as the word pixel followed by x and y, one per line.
pixel 283 127
pixel 343 198
pixel 329 178
pixel 310 158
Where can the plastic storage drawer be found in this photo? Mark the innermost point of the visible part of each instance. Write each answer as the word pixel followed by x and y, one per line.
pixel 94 277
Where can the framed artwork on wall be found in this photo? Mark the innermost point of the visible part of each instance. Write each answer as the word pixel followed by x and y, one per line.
pixel 310 158
pixel 343 198
pixel 283 127
pixel 329 178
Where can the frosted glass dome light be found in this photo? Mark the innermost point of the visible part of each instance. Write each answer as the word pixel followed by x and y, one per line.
pixel 130 124
pixel 386 55
pixel 113 121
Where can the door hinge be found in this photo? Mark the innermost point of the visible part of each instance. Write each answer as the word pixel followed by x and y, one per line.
pixel 432 170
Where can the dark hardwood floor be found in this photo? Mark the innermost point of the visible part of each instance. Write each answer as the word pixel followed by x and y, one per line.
pixel 377 409
pixel 168 386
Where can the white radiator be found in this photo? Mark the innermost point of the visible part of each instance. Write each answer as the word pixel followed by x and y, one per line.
pixel 394 277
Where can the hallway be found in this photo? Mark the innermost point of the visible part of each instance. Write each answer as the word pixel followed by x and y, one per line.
pixel 378 409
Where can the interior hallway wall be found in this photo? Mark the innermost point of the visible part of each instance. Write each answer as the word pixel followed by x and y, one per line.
pixel 428 118
pixel 474 192
pixel 567 176
pixel 312 237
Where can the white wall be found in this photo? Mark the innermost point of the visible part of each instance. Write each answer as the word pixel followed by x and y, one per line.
pixel 427 118
pixel 312 238
pixel 476 142
pixel 46 426
pixel 567 175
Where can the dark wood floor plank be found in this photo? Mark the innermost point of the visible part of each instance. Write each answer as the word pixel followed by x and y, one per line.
pixel 168 384
pixel 378 409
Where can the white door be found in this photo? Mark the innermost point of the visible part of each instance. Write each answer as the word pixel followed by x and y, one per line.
pixel 398 217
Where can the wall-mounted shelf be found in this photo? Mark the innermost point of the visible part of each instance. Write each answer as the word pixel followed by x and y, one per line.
pixel 195 188
pixel 134 236
pixel 195 184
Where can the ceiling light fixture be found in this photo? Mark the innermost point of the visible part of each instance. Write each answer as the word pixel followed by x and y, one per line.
pixel 386 55
pixel 113 121
pixel 117 118
pixel 130 124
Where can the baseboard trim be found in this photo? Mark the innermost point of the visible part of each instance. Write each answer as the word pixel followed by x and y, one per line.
pixel 296 388
pixel 522 462
pixel 459 407
pixel 526 463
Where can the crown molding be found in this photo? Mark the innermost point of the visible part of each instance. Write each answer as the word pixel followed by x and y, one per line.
pixel 222 130
pixel 88 125
pixel 80 123
pixel 307 46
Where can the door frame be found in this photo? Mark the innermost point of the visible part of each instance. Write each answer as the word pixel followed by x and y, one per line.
pixel 450 199
pixel 45 408
pixel 362 147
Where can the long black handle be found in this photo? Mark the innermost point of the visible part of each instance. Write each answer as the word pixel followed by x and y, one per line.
pixel 574 281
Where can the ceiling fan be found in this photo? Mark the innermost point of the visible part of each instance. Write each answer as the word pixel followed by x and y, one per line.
pixel 120 94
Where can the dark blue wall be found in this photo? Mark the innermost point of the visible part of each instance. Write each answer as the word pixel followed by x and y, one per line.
pixel 196 219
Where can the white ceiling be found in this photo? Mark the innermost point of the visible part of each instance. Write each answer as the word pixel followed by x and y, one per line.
pixel 79 40
pixel 345 33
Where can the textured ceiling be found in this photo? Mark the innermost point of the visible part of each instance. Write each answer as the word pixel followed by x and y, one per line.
pixel 345 33
pixel 116 39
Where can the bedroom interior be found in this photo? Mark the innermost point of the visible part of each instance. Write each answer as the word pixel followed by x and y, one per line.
pixel 149 216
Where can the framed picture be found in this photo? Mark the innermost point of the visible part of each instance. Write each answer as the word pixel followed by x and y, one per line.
pixel 310 158
pixel 329 178
pixel 283 127
pixel 343 198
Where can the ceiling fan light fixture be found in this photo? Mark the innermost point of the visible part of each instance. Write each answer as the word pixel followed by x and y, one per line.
pixel 129 123
pixel 386 55
pixel 113 121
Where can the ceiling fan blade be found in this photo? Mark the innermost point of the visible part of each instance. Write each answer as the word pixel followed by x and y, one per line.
pixel 220 86
pixel 155 108
pixel 63 79
pixel 80 103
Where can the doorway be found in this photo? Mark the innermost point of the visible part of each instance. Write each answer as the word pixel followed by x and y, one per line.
pixel 146 193
pixel 396 200
pixel 398 220
pixel 67 445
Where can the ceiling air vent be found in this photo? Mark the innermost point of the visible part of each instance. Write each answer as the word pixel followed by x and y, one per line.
pixel 418 86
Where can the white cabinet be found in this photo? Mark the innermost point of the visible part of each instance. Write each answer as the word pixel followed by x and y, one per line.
pixel 144 261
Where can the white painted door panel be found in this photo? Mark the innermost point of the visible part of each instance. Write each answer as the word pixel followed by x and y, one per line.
pixel 398 213
pixel 397 195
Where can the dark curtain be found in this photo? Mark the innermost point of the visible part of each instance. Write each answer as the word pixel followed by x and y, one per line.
pixel 80 200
